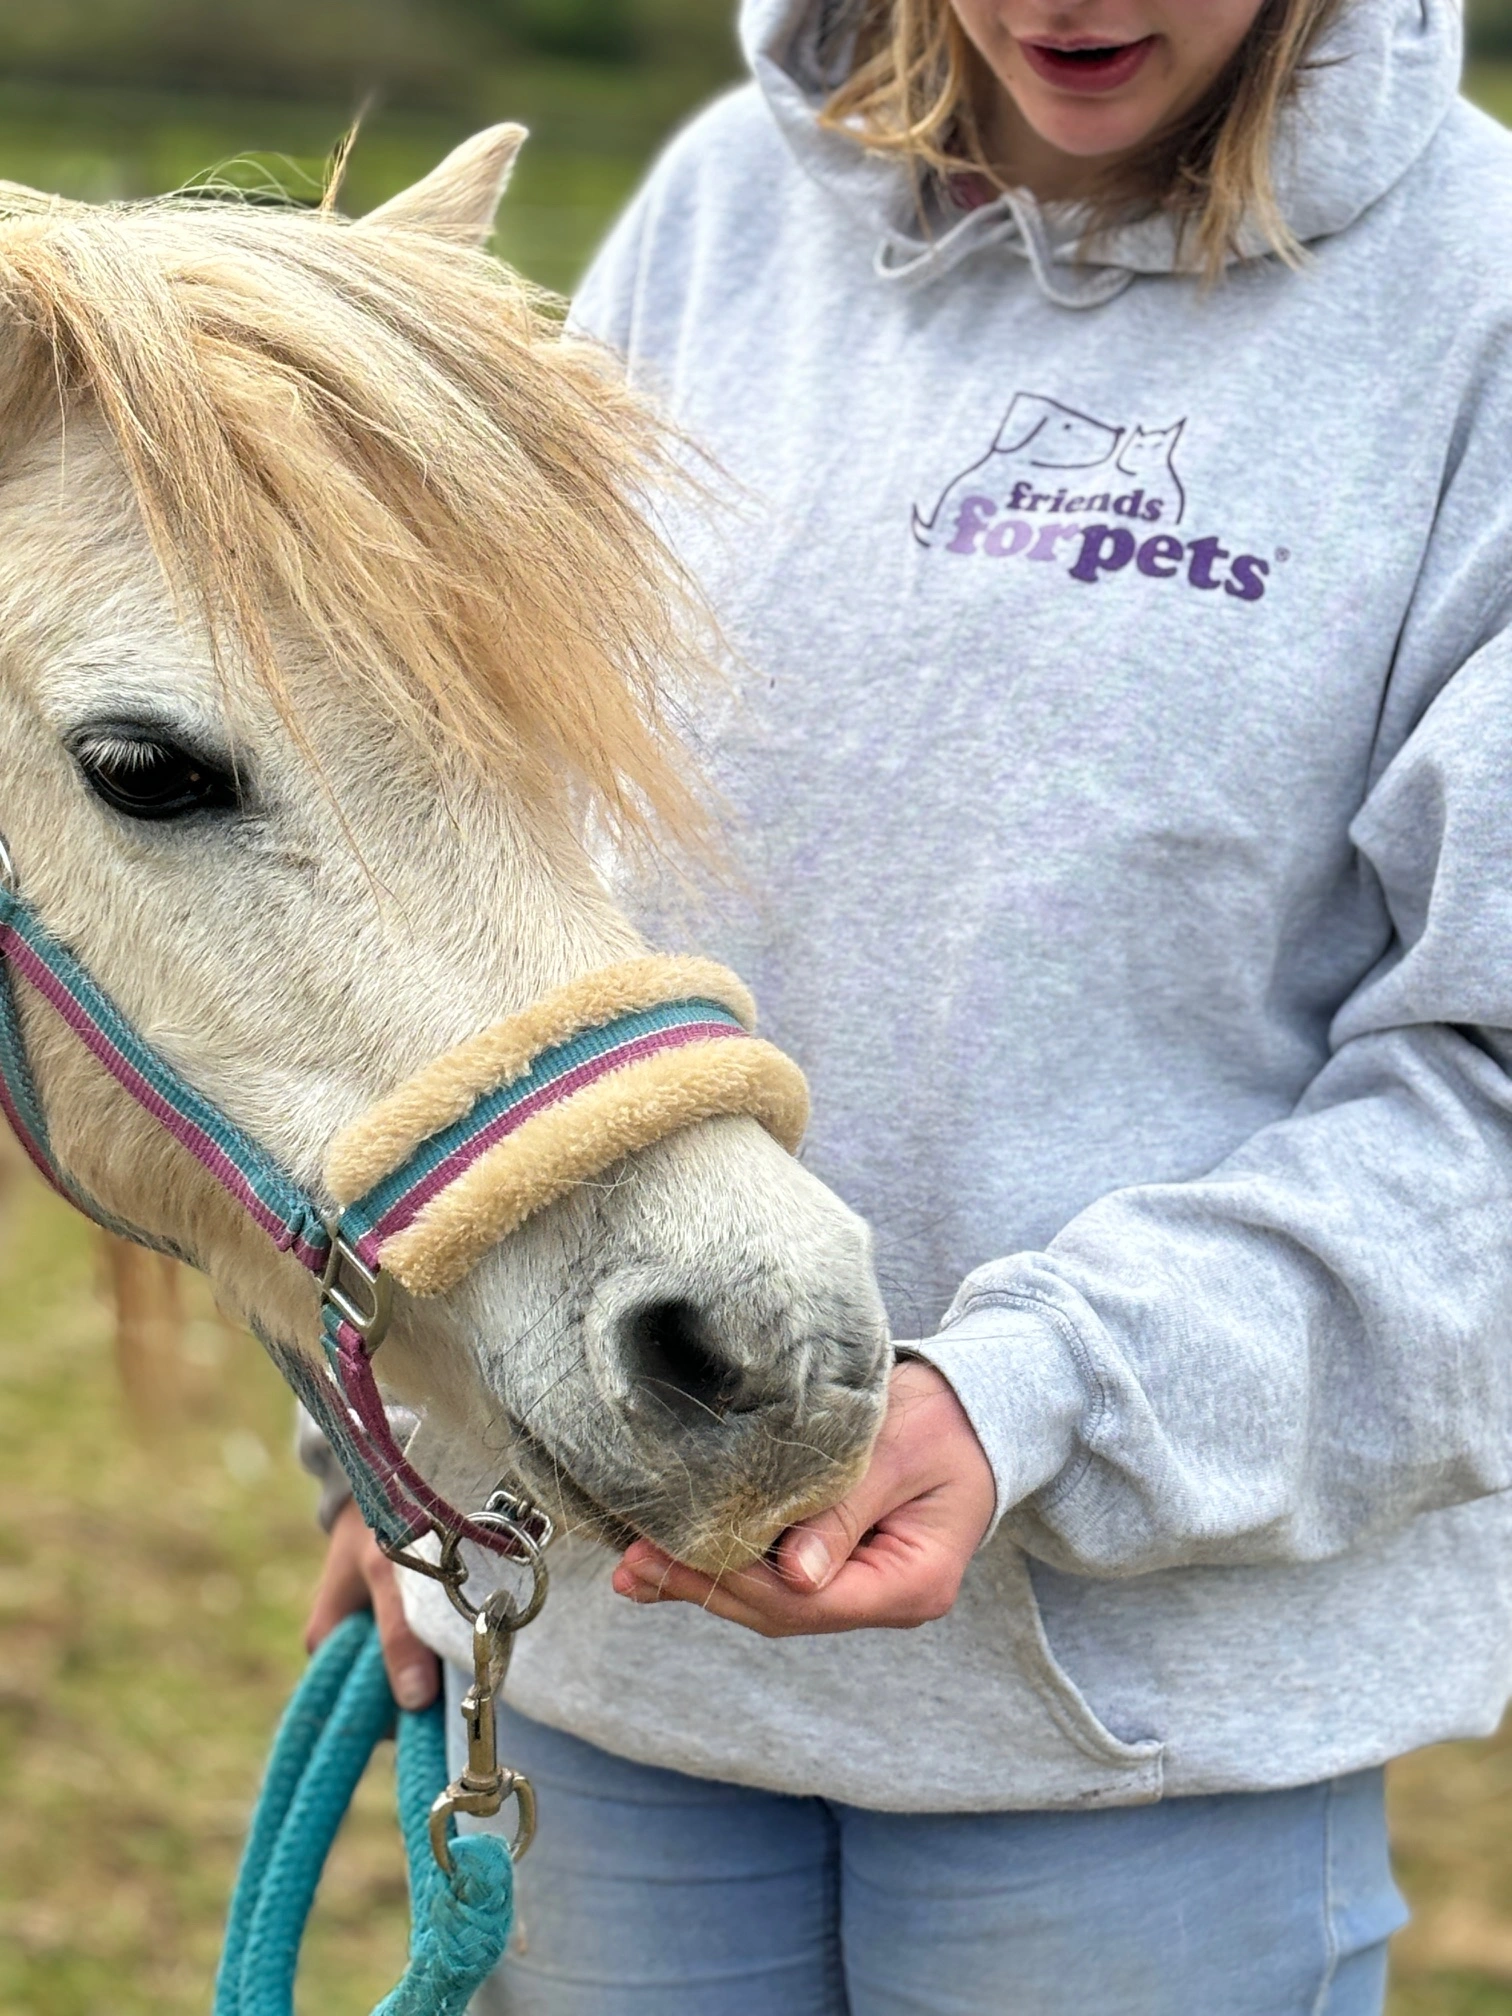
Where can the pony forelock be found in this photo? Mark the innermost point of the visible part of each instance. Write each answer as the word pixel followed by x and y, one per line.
pixel 387 446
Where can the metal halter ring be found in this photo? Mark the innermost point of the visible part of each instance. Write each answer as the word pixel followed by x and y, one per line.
pixel 451 1570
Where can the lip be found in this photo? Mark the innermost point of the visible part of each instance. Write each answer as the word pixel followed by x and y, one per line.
pixel 1088 75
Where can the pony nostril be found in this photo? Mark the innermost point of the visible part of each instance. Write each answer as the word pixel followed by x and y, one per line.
pixel 667 1347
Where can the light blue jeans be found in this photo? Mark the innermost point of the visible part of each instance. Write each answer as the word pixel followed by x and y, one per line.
pixel 648 1893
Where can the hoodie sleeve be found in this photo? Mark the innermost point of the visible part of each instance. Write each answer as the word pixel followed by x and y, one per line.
pixel 1312 1342
pixel 318 1459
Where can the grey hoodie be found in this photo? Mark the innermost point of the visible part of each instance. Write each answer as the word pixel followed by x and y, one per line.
pixel 1124 775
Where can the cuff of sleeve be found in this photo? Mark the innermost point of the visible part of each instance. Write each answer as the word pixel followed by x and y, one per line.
pixel 335 1495
pixel 1016 1374
pixel 318 1458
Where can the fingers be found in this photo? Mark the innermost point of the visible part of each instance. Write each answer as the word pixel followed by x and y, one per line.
pixel 358 1575
pixel 413 1669
pixel 809 1556
pixel 343 1586
pixel 899 1577
pixel 890 1555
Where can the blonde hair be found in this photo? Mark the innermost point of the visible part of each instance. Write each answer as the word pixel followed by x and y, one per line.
pixel 388 443
pixel 917 85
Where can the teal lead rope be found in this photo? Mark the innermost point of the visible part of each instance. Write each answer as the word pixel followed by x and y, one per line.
pixel 459 1923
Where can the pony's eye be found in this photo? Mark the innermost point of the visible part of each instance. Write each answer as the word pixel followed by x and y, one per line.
pixel 149 776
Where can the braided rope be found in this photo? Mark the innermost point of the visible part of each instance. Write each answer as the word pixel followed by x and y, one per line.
pixel 459 1924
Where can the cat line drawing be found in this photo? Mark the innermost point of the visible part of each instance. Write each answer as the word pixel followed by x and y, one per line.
pixel 1048 457
pixel 1145 458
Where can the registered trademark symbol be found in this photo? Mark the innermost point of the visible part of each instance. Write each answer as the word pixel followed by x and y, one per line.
pixel 1283 552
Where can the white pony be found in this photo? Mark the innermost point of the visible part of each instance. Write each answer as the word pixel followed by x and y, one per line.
pixel 327 617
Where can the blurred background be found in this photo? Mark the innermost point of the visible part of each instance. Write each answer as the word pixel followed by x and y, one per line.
pixel 105 98
pixel 156 1541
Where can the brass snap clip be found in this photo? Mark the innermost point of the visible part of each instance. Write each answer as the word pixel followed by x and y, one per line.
pixel 485 1784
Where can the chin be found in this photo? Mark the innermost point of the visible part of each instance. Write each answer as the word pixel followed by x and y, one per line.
pixel 1092 132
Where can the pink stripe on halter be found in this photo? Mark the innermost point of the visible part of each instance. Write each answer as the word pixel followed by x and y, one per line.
pixel 126 1075
pixel 407 1208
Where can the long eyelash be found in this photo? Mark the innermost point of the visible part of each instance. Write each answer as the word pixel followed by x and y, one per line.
pixel 116 752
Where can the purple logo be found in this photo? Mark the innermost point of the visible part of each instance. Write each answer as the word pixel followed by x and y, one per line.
pixel 1058 486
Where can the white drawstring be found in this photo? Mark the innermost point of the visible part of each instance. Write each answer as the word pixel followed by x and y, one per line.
pixel 1067 286
pixel 1014 221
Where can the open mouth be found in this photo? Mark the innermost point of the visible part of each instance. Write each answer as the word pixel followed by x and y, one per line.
pixel 1088 66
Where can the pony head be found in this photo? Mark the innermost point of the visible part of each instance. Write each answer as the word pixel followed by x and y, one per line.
pixel 332 629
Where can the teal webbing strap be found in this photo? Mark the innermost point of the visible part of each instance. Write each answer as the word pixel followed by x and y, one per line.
pixel 239 1164
pixel 459 1924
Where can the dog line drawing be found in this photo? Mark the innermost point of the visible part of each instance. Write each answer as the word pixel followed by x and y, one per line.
pixel 1047 445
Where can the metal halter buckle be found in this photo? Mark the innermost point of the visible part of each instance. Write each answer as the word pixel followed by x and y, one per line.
pixel 372 1321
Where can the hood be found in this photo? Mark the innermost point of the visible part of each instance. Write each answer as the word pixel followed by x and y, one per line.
pixel 1387 72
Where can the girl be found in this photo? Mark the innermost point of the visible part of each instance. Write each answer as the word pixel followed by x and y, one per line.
pixel 1118 391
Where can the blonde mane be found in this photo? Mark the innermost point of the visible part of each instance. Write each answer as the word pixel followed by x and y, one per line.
pixel 386 443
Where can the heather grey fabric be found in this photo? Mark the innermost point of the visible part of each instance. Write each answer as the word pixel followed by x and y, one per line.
pixel 1121 762
pixel 318 1458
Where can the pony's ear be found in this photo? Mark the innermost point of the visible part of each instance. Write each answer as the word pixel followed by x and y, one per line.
pixel 458 199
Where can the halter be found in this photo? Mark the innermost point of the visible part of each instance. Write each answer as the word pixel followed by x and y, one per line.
pixel 430 1178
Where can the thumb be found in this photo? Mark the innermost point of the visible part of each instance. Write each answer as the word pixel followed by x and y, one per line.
pixel 810 1556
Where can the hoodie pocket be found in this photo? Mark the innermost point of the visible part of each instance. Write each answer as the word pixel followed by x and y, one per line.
pixel 1136 1765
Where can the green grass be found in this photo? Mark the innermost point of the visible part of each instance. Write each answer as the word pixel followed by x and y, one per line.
pixel 1449 1995
pixel 1490 85
pixel 152 1590
pixel 151 1598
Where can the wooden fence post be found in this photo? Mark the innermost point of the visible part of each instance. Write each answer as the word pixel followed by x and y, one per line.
pixel 144 1290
